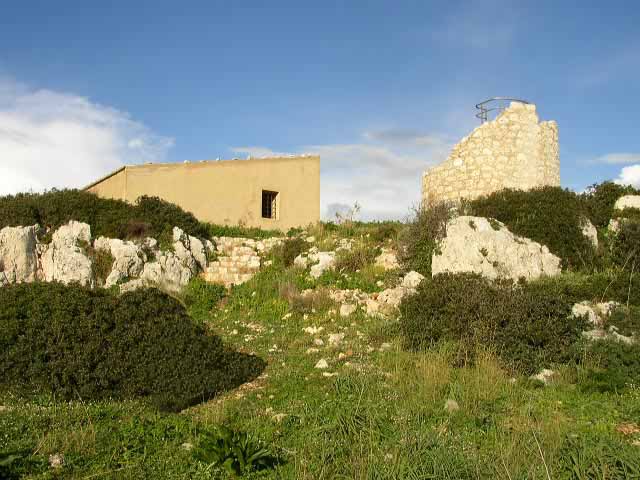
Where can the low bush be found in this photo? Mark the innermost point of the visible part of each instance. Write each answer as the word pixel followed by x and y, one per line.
pixel 599 200
pixel 83 344
pixel 201 297
pixel 625 245
pixel 240 231
pixel 612 285
pixel 355 259
pixel 149 216
pixel 308 302
pixel 418 240
pixel 529 325
pixel 609 366
pixel 551 216
pixel 290 249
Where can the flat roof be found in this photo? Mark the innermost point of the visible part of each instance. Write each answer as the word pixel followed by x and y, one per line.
pixel 198 162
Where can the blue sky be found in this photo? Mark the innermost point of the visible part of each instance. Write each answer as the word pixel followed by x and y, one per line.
pixel 381 89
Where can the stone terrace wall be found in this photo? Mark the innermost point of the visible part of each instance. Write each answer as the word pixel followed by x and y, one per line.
pixel 513 151
pixel 238 259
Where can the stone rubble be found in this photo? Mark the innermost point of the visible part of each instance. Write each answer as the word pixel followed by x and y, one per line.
pixel 597 315
pixel 319 261
pixel 477 245
pixel 387 259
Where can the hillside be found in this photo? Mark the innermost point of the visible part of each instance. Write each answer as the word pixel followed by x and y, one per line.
pixel 494 340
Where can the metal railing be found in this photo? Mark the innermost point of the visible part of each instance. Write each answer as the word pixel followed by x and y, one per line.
pixel 495 105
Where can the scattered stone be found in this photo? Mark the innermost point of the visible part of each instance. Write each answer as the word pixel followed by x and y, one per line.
pixel 385 346
pixel 585 309
pixel 318 341
pixel 387 259
pixel 544 376
pixel 411 280
pixel 187 446
pixel 451 406
pixel 329 374
pixel 475 244
pixel 56 460
pixel 347 309
pixel 312 330
pixel 278 417
pixel 310 239
pixel 312 351
pixel 335 339
pixel 322 364
pixel 287 316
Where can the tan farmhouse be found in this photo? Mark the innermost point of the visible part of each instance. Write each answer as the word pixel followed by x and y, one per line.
pixel 515 150
pixel 271 193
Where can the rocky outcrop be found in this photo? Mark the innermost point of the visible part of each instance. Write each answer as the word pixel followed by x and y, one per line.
pixel 478 245
pixel 589 231
pixel 65 259
pixel 627 201
pixel 128 259
pixel 18 256
pixel 319 261
pixel 387 259
pixel 598 316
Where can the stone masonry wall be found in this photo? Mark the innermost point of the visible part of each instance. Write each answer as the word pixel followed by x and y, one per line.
pixel 238 259
pixel 513 151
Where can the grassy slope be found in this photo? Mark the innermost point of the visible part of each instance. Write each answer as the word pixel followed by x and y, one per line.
pixel 382 416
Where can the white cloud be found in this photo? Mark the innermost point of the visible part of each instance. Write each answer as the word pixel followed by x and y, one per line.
pixel 630 176
pixel 51 139
pixel 382 174
pixel 618 158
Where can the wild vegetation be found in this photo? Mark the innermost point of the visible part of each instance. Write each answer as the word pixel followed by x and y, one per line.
pixel 444 392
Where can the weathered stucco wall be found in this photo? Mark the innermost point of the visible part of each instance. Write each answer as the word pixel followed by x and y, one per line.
pixel 226 192
pixel 513 151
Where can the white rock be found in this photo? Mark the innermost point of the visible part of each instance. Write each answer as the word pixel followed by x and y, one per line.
pixel 335 339
pixel 585 309
pixel 387 259
pixel 168 271
pixel 128 259
pixel 322 364
pixel 590 231
pixel 627 201
pixel 318 341
pixel 473 245
pixel 347 309
pixel 412 280
pixel 18 256
pixel 544 376
pixel 451 406
pixel 325 261
pixel 64 260
pixel 56 460
pixel 310 239
pixel 312 330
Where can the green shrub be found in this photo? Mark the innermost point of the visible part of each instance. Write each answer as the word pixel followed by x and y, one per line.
pixel 619 286
pixel 551 216
pixel 610 366
pixel 88 344
pixel 202 297
pixel 355 259
pixel 625 245
pixel 240 231
pixel 102 264
pixel 599 200
pixel 237 452
pixel 418 240
pixel 110 218
pixel 528 325
pixel 290 249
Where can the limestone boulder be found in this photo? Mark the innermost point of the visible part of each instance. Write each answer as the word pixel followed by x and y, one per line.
pixel 128 259
pixel 387 259
pixel 589 231
pixel 18 255
pixel 65 259
pixel 627 201
pixel 319 261
pixel 476 245
pixel 189 250
pixel 168 271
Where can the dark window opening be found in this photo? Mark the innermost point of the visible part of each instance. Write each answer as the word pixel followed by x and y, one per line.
pixel 269 204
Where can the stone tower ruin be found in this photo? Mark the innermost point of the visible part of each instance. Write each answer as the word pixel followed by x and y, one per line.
pixel 515 150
